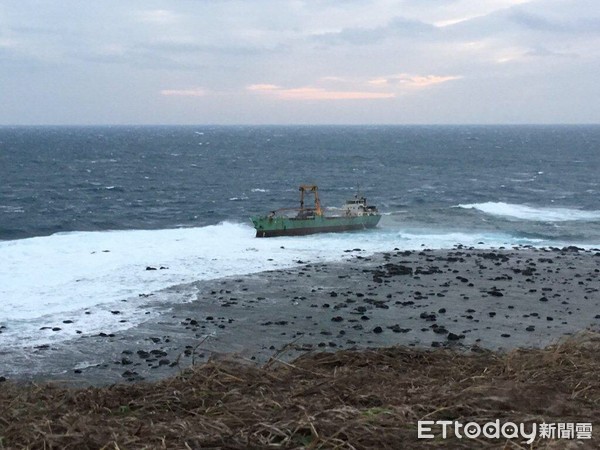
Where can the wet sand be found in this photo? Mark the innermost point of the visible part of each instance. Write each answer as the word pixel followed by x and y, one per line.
pixel 496 299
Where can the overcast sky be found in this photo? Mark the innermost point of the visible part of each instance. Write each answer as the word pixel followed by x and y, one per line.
pixel 299 62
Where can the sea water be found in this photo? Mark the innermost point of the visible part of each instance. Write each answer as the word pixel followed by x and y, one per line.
pixel 87 213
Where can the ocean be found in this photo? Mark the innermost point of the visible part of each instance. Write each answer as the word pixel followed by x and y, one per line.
pixel 84 211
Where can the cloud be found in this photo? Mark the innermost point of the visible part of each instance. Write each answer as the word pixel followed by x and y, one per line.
pixel 397 27
pixel 263 87
pixel 336 56
pixel 449 22
pixel 315 93
pixel 195 92
pixel 537 22
pixel 412 81
pixel 344 88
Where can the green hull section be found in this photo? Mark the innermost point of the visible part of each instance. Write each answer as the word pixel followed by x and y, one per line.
pixel 285 226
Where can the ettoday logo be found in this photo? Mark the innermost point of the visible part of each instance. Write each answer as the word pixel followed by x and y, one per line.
pixel 506 430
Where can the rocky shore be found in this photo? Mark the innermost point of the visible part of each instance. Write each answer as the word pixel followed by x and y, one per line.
pixel 465 298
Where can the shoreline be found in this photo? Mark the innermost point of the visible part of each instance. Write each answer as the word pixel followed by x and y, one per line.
pixel 463 298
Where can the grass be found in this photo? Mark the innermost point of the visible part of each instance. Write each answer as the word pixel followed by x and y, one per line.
pixel 346 400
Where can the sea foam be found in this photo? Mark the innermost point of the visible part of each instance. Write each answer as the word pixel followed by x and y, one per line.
pixel 541 214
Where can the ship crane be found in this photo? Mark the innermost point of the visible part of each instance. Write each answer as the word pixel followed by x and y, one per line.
pixel 311 188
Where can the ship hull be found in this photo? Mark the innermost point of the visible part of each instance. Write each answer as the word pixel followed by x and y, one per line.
pixel 283 226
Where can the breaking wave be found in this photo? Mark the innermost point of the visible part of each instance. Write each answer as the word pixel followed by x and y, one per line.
pixel 539 214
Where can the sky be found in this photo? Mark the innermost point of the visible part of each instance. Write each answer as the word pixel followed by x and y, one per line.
pixel 71 62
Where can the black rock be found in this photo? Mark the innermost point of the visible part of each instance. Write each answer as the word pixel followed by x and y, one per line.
pixel 337 319
pixel 530 328
pixel 396 329
pixel 428 317
pixel 453 337
pixel 377 330
pixel 397 269
pixel 150 268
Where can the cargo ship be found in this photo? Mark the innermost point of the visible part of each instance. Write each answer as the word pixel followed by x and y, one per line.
pixel 354 215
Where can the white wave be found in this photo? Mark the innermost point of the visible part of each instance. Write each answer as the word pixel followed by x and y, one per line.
pixel 259 190
pixel 12 209
pixel 47 280
pixel 540 214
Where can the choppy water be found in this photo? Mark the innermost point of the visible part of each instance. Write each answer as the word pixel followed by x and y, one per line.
pixel 84 211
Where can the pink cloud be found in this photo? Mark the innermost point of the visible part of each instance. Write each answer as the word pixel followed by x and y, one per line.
pixel 312 93
pixel 412 81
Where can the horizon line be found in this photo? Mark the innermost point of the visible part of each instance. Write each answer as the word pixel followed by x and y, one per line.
pixel 383 124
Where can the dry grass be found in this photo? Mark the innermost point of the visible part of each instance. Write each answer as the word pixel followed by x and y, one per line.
pixel 346 400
